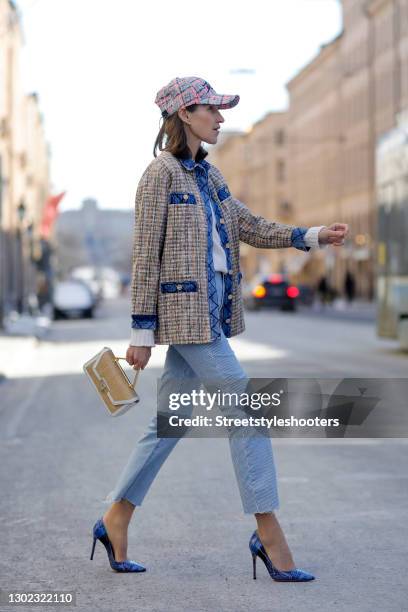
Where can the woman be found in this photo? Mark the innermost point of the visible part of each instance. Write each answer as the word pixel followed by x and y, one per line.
pixel 186 292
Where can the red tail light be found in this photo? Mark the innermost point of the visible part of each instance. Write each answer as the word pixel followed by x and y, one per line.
pixel 292 291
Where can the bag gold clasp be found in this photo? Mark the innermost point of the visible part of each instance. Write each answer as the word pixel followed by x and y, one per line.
pixel 102 385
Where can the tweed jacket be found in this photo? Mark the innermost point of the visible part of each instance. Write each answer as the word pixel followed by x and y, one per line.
pixel 171 265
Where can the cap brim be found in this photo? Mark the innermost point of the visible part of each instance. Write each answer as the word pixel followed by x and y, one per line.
pixel 222 101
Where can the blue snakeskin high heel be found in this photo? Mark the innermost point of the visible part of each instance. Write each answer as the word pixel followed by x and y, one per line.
pixel 100 533
pixel 257 549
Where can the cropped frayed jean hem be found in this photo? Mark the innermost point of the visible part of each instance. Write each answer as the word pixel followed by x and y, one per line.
pixel 251 453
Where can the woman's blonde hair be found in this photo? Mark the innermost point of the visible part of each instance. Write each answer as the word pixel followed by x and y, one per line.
pixel 173 133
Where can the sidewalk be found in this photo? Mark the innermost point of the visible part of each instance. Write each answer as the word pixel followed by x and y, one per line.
pixel 25 324
pixel 20 336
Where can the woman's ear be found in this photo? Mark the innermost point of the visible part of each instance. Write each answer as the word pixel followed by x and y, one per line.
pixel 183 114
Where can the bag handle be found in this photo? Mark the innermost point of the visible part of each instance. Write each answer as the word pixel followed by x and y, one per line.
pixel 132 385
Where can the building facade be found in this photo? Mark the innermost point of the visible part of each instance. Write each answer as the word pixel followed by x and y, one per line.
pixel 24 172
pixel 339 104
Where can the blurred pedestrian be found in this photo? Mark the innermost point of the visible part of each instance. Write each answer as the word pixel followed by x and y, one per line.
pixel 323 290
pixel 349 286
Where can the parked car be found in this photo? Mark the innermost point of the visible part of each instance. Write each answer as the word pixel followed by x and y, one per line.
pixel 89 274
pixel 72 298
pixel 273 291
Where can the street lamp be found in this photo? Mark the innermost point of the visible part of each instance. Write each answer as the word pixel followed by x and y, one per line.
pixel 30 233
pixel 21 210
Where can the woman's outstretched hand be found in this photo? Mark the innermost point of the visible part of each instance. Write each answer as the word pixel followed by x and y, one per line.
pixel 334 234
pixel 138 356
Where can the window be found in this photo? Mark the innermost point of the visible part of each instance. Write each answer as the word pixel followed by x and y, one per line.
pixel 279 137
pixel 280 170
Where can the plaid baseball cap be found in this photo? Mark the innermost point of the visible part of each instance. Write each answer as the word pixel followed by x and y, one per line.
pixel 182 92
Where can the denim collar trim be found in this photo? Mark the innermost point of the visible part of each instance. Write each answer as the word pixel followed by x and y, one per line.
pixel 190 164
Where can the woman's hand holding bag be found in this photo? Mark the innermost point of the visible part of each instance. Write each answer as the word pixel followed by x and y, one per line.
pixel 138 356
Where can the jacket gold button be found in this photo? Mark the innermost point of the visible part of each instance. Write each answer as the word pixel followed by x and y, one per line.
pixel 228 320
pixel 227 245
pixel 229 271
pixel 222 220
pixel 230 296
pixel 179 287
pixel 185 196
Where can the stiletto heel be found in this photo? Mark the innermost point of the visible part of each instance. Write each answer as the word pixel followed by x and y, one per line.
pixel 93 549
pixel 257 550
pixel 100 533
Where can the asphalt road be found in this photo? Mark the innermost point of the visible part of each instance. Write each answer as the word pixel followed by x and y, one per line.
pixel 343 501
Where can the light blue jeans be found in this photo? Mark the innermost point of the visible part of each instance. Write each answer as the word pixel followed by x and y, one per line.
pixel 251 453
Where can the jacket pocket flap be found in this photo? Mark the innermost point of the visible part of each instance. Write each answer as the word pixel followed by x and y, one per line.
pixel 176 287
pixel 182 198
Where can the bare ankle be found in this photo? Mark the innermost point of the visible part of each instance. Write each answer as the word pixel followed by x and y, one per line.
pixel 268 539
pixel 115 521
pixel 120 513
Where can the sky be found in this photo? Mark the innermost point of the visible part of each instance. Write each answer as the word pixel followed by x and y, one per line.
pixel 97 65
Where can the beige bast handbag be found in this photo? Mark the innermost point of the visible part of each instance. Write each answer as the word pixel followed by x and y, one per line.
pixel 111 381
